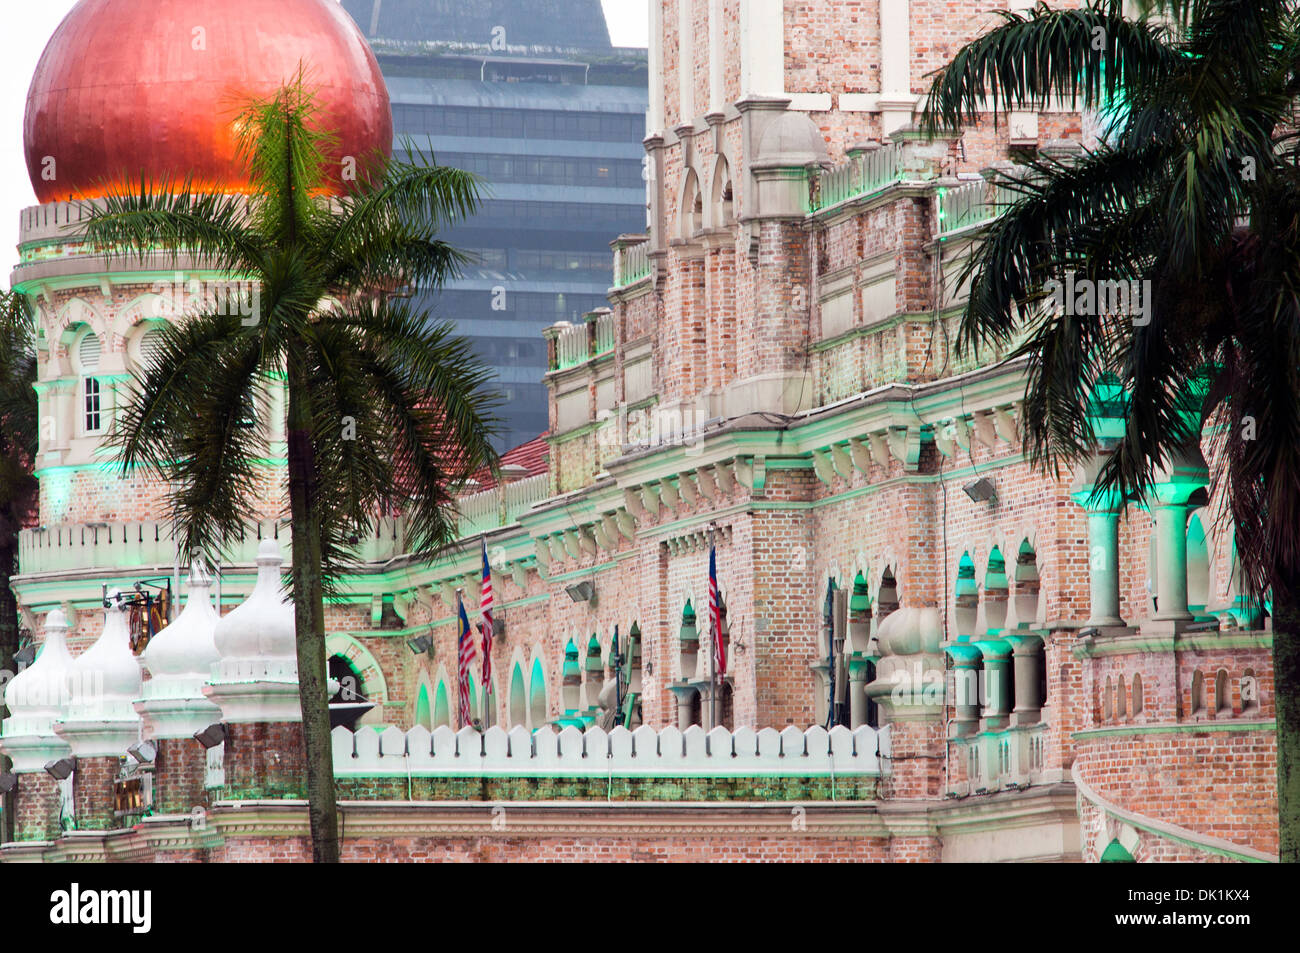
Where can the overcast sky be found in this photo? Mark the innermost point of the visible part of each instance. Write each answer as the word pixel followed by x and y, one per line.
pixel 28 27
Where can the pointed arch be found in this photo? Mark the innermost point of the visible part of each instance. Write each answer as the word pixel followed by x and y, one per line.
pixel 373 683
pixel 517 709
pixel 537 700
pixel 424 709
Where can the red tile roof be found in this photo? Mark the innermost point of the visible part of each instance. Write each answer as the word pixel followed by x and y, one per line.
pixel 532 456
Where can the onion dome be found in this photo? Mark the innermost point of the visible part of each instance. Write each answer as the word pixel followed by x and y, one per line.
pixel 104 682
pixel 39 693
pixel 106 679
pixel 181 656
pixel 127 89
pixel 256 678
pixel 262 627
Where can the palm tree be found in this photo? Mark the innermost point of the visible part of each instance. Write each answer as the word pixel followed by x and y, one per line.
pixel 1195 187
pixel 18 428
pixel 386 412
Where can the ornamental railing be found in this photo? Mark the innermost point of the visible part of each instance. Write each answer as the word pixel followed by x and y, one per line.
pixel 643 752
pixel 863 174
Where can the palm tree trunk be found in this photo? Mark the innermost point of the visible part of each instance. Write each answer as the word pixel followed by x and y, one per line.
pixel 8 646
pixel 1286 693
pixel 309 615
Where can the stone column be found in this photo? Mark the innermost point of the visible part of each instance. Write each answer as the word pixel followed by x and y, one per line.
pixel 1175 484
pixel 965 673
pixel 1027 660
pixel 997 678
pixel 1103 544
pixel 685 695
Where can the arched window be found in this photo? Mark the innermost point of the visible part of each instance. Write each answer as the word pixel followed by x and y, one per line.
pixel 87 359
pixel 594 673
pixel 1198 567
pixel 1198 693
pixel 1249 689
pixel 967 599
pixel 1137 694
pixel 723 200
pixel 691 214
pixel 688 641
pixel 441 707
pixel 995 593
pixel 1027 587
pixel 570 681
pixel 518 710
pixel 887 598
pixel 537 706
pixel 1222 694
pixel 423 710
pixel 1107 700
pixel 1121 701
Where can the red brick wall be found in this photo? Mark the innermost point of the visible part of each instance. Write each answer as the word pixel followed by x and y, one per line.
pixel 265 760
pixel 179 772
pixel 92 793
pixel 36 816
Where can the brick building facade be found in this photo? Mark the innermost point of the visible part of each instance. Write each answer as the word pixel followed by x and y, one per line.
pixel 1021 670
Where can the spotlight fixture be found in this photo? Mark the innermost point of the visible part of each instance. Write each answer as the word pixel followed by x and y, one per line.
pixel 420 644
pixel 60 769
pixel 981 491
pixel 498 627
pixel 143 752
pixel 8 781
pixel 26 655
pixel 581 592
pixel 211 736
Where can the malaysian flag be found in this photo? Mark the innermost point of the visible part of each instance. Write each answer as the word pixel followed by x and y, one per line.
pixel 466 645
pixel 715 615
pixel 485 606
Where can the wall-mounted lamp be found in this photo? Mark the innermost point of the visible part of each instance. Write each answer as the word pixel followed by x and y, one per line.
pixel 60 769
pixel 420 644
pixel 143 751
pixel 581 592
pixel 211 736
pixel 8 781
pixel 981 491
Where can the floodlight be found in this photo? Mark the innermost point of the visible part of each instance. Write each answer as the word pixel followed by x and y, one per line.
pixel 8 781
pixel 211 736
pixel 60 769
pixel 143 751
pixel 581 592
pixel 981 491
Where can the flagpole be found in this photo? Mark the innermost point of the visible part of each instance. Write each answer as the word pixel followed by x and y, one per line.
pixel 713 651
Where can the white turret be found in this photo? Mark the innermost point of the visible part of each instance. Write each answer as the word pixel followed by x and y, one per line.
pixel 105 681
pixel 179 661
pixel 36 698
pixel 256 677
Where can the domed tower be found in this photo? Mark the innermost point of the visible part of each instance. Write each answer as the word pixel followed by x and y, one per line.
pixel 126 91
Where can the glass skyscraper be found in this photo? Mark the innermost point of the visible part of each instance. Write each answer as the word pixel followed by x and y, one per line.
pixel 531 96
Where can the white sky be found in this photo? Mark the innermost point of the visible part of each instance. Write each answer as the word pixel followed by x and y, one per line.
pixel 29 26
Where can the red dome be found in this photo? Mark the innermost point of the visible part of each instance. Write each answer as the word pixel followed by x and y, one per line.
pixel 132 87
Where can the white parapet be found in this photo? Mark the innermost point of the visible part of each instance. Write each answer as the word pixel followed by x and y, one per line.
pixel 643 753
